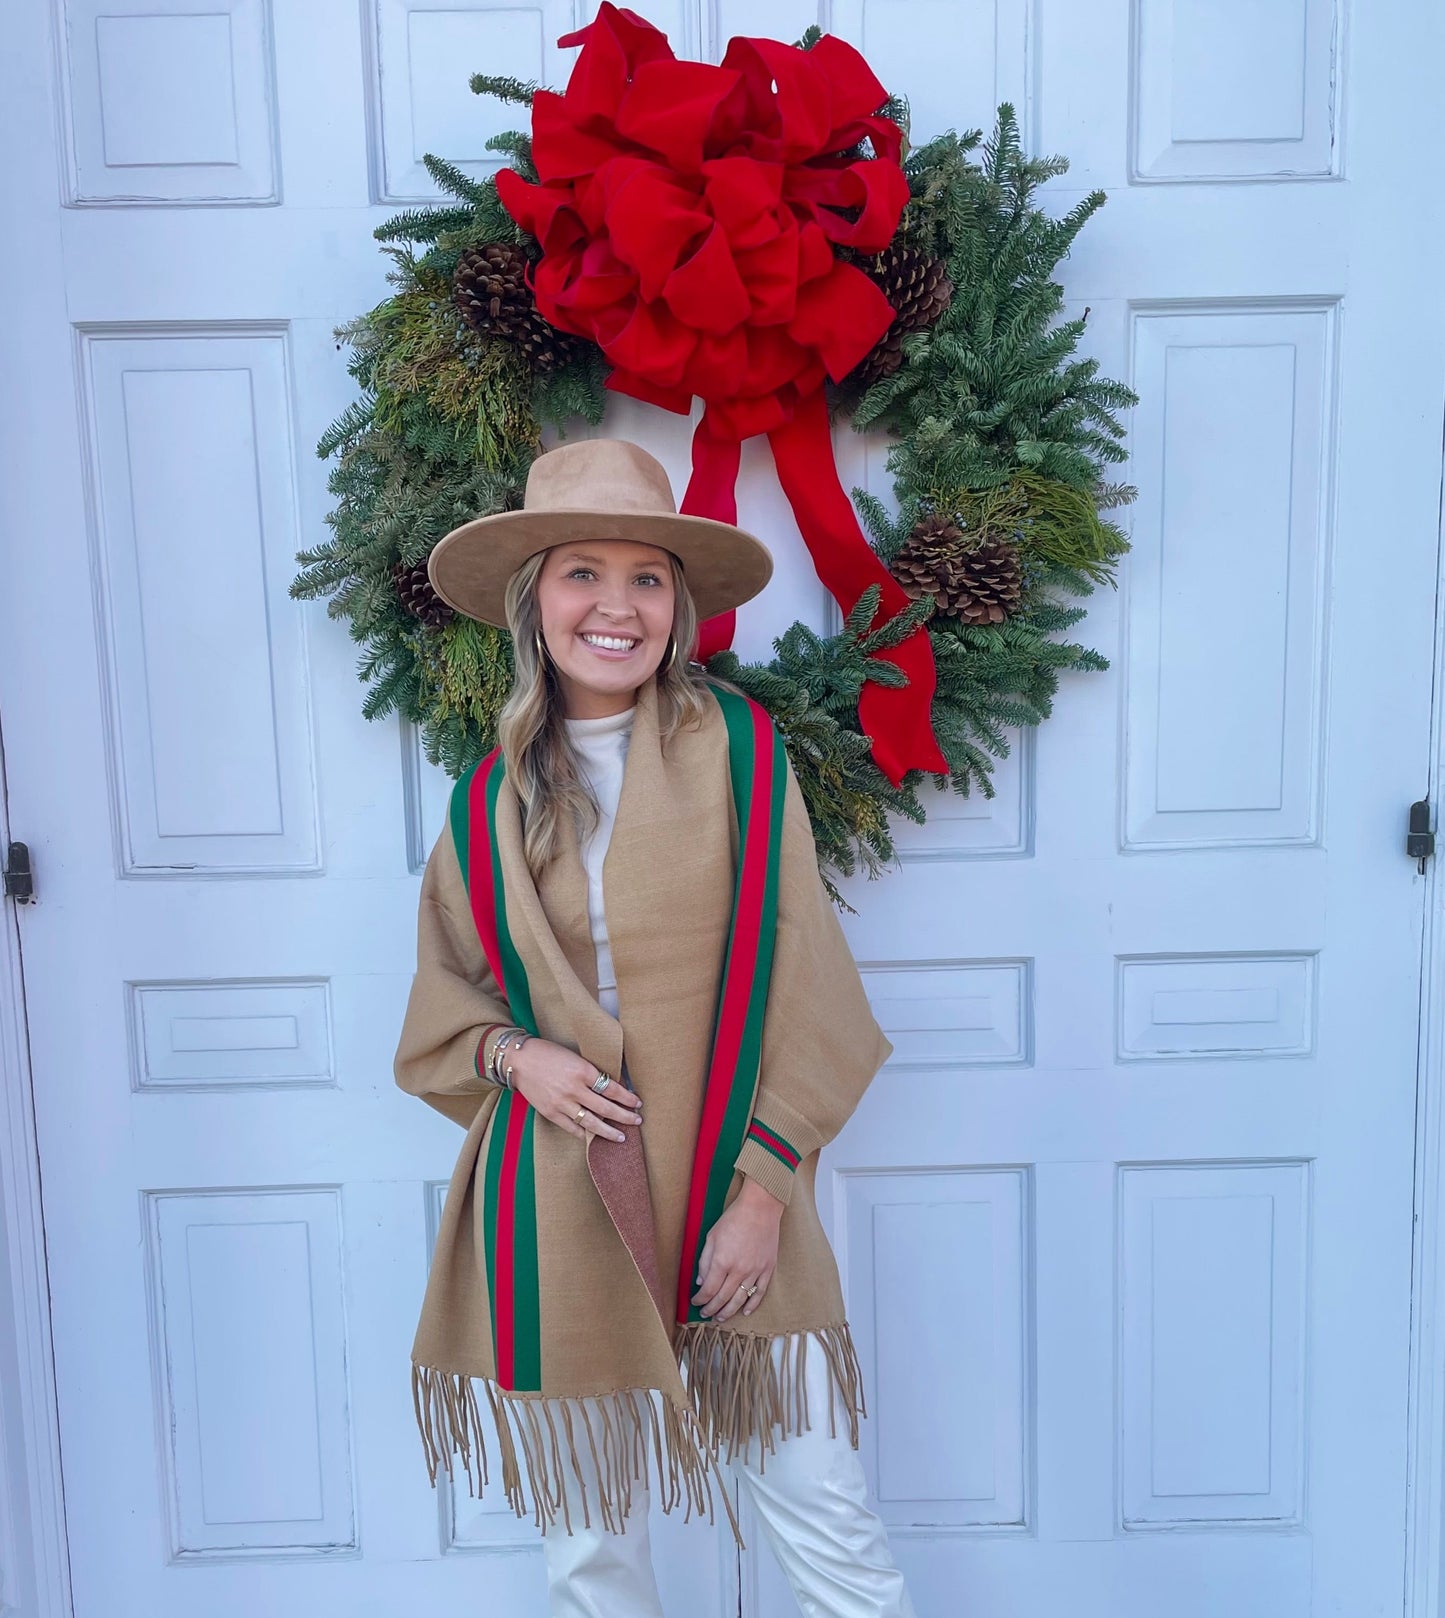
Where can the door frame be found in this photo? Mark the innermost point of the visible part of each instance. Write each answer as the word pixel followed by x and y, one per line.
pixel 25 1352
pixel 1425 1471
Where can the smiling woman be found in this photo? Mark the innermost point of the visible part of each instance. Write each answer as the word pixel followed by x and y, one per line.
pixel 607 609
pixel 614 1293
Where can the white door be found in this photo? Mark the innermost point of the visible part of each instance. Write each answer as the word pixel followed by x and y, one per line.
pixel 239 1202
pixel 1125 1227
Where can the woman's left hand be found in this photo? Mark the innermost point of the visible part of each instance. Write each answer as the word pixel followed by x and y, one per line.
pixel 741 1249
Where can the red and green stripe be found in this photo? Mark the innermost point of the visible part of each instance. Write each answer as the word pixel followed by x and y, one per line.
pixel 771 1141
pixel 509 1181
pixel 758 770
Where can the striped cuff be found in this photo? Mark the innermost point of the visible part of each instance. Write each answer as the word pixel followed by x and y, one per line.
pixel 770 1140
pixel 770 1159
pixel 479 1058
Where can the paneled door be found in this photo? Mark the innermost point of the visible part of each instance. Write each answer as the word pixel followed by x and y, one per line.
pixel 239 1203
pixel 1125 1225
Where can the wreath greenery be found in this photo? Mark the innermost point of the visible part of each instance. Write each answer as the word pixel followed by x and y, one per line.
pixel 1001 437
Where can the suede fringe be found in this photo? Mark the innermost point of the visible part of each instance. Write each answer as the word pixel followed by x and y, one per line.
pixel 740 1394
pixel 612 1425
pixel 736 1393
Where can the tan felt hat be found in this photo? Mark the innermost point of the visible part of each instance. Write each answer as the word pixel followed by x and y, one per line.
pixel 596 488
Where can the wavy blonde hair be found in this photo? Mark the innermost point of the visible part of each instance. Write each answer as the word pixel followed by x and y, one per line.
pixel 542 764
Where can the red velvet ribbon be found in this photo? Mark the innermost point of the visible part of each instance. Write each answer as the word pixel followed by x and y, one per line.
pixel 902 730
pixel 687 215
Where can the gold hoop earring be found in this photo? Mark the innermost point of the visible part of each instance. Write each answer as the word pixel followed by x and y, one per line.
pixel 671 655
pixel 541 649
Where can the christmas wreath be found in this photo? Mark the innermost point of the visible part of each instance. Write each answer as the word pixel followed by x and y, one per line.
pixel 757 233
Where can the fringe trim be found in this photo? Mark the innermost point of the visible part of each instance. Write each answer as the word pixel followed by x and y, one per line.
pixel 739 1394
pixel 735 1391
pixel 612 1425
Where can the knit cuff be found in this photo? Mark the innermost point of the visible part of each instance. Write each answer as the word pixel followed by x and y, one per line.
pixel 775 1144
pixel 481 1059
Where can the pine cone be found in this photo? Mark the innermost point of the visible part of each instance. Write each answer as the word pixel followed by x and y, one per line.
pixel 988 584
pixel 491 291
pixel 919 290
pixel 883 359
pixel 982 585
pixel 414 591
pixel 927 559
pixel 917 286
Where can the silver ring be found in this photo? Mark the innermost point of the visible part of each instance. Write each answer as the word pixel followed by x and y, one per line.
pixel 600 1083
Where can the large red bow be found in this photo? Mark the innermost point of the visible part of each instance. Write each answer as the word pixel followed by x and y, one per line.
pixel 687 215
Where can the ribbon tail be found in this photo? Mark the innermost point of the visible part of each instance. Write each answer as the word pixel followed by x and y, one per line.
pixel 898 722
pixel 712 491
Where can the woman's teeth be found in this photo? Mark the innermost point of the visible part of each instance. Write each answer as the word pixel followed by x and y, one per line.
pixel 611 643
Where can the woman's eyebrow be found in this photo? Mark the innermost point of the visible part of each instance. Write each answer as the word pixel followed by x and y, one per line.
pixel 597 561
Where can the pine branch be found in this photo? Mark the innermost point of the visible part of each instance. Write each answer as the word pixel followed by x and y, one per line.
pixel 503 88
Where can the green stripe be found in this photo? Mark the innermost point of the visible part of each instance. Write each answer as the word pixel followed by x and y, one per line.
pixel 741 764
pixel 519 993
pixel 742 767
pixel 527 1300
pixel 492 1176
pixel 459 814
pixel 526 1282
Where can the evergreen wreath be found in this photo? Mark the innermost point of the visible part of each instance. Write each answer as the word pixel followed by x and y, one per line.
pixel 1001 440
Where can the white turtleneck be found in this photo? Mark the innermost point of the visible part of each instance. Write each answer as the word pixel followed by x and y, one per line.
pixel 601 746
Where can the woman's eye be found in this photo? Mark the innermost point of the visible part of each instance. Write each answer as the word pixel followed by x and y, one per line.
pixel 586 572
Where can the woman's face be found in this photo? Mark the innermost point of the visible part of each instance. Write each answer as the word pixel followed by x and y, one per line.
pixel 606 608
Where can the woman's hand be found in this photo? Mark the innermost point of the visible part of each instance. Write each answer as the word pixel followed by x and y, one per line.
pixel 741 1249
pixel 557 1082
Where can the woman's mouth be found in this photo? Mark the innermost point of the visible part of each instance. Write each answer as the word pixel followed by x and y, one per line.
pixel 612 647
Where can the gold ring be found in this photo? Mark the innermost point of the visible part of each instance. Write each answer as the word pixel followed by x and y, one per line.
pixel 581 1114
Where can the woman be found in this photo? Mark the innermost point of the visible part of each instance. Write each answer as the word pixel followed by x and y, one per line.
pixel 646 1055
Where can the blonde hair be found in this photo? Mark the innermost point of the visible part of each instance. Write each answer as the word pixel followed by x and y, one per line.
pixel 542 764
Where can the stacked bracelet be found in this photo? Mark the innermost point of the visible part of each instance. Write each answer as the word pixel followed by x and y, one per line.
pixel 512 1039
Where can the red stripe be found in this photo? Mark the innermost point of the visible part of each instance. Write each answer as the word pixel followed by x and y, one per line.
pixel 506 1246
pixel 480 886
pixel 764 1133
pixel 482 891
pixel 732 1015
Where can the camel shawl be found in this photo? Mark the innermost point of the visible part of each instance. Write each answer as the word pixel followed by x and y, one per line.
pixel 562 1271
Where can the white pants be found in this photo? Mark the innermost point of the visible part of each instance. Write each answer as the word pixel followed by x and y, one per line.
pixel 811 1498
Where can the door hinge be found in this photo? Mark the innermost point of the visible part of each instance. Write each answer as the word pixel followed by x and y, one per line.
pixel 19 883
pixel 1420 840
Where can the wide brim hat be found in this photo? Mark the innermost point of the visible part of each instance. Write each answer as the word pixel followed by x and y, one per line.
pixel 596 488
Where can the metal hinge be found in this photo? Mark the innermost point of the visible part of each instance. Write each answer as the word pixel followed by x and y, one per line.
pixel 1420 840
pixel 19 884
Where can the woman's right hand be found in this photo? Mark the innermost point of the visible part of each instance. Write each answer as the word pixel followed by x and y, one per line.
pixel 557 1081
